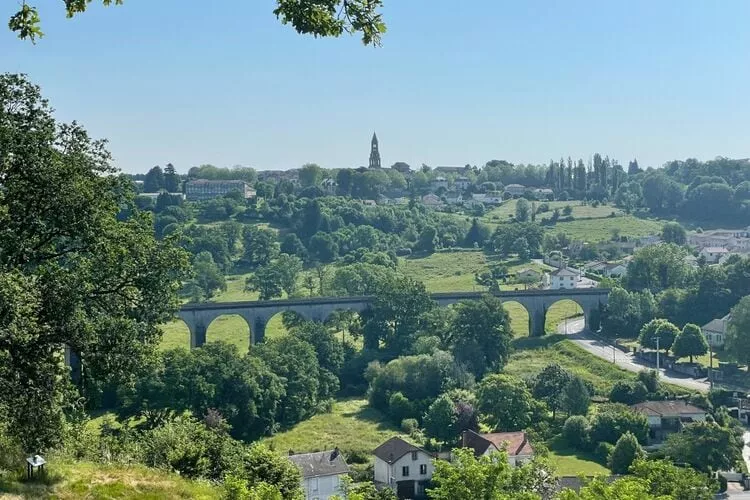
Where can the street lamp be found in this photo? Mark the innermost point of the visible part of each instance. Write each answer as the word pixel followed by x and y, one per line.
pixel 657 354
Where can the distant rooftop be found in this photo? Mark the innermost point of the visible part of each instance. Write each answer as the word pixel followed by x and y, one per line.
pixel 322 463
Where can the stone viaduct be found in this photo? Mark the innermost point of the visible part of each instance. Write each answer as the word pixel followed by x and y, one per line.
pixel 257 313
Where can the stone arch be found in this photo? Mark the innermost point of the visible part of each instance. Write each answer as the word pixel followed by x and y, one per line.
pixel 343 319
pixel 520 319
pixel 275 327
pixel 230 328
pixel 565 314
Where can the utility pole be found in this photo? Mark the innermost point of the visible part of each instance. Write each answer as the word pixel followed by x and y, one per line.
pixel 614 352
pixel 711 368
pixel 657 354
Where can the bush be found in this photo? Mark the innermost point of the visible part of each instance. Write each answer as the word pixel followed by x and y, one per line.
pixel 625 452
pixel 567 210
pixel 603 451
pixel 628 392
pixel 409 426
pixel 576 432
pixel 613 420
pixel 650 379
pixel 400 407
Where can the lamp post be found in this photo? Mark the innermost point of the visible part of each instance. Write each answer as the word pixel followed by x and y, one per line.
pixel 710 367
pixel 657 355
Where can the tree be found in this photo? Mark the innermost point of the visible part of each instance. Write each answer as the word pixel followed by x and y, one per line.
pixel 673 232
pixel 521 247
pixel 706 446
pixel 628 392
pixel 576 431
pixel 261 465
pixel 74 269
pixel 656 268
pixel 549 386
pixel 505 402
pixel 440 420
pixel 207 276
pixel 627 450
pixel 154 181
pixel 523 210
pixel 668 480
pixel 428 240
pixel 576 397
pixel 292 245
pixel 171 179
pixel 334 18
pixel 310 175
pixel 467 477
pixel 260 246
pixel 650 379
pixel 613 420
pixel 480 335
pixel 737 342
pixel 661 328
pixel 690 342
pixel 273 278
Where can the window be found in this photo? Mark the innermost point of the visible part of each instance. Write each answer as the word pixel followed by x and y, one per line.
pixel 314 484
pixel 414 455
pixel 423 469
pixel 405 471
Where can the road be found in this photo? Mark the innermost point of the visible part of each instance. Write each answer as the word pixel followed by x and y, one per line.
pixel 574 328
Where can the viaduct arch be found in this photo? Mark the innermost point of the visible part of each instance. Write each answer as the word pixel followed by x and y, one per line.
pixel 197 317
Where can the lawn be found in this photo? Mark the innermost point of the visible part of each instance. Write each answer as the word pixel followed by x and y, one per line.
pixel 88 480
pixel 352 426
pixel 447 271
pixel 571 462
pixel 504 211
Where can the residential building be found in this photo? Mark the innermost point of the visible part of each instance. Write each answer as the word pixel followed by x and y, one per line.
pixel 615 270
pixel 374 152
pixel 204 189
pixel 403 467
pixel 462 183
pixel 432 200
pixel 515 190
pixel 453 198
pixel 516 445
pixel 322 473
pixel 716 330
pixel 450 170
pixel 328 185
pixel 564 277
pixel 528 275
pixel 713 254
pixel 666 417
pixel 544 193
pixel 439 182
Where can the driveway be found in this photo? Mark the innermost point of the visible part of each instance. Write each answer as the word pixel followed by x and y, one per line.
pixel 575 329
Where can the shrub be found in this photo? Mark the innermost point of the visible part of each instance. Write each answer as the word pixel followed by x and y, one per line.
pixel 567 210
pixel 614 420
pixel 576 431
pixel 409 425
pixel 628 392
pixel 603 451
pixel 625 452
pixel 400 407
pixel 650 379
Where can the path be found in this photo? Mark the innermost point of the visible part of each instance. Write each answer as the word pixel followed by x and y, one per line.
pixel 575 329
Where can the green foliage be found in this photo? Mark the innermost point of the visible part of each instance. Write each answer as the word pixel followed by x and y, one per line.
pixel 656 268
pixel 737 342
pixel 276 277
pixel 74 268
pixel 673 232
pixel 650 379
pixel 626 451
pixel 440 420
pixel 480 335
pixel 628 392
pixel 662 328
pixel 505 402
pixel 613 420
pixel 576 397
pixel 706 446
pixel 260 246
pixel 523 210
pixel 627 488
pixel 576 431
pixel 504 239
pixel 263 465
pixel 690 342
pixel 679 483
pixel 207 278
pixel 469 478
pixel 550 384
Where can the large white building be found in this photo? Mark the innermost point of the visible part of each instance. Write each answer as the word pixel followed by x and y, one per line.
pixel 322 473
pixel 565 277
pixel 403 467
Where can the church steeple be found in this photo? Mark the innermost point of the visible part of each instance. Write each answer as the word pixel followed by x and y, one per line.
pixel 374 152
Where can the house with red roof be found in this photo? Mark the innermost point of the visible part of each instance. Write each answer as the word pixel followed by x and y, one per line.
pixel 515 444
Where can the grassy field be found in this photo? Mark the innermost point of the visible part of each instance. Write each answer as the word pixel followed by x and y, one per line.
pixel 231 329
pixel 447 271
pixel 533 354
pixel 507 209
pixel 572 462
pixel 100 481
pixel 352 426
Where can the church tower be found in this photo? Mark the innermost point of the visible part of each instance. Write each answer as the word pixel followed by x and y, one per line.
pixel 374 152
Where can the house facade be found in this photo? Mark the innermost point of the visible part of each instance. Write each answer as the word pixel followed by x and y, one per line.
pixel 564 278
pixel 403 467
pixel 515 444
pixel 667 417
pixel 716 330
pixel 528 274
pixel 713 254
pixel 515 190
pixel 462 183
pixel 322 473
pixel 203 189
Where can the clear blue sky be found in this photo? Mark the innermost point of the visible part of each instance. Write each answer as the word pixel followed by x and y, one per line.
pixel 456 82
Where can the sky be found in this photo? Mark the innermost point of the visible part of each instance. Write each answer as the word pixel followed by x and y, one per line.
pixel 455 82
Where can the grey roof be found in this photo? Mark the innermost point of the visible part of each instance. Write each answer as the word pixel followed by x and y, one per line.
pixel 717 325
pixel 395 448
pixel 321 463
pixel 667 408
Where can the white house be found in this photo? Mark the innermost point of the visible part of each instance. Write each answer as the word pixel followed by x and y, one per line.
pixel 403 467
pixel 322 473
pixel 716 330
pixel 665 417
pixel 515 189
pixel 713 254
pixel 462 183
pixel 516 444
pixel 439 182
pixel 565 277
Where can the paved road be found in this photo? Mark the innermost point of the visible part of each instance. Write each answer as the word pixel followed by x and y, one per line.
pixel 575 329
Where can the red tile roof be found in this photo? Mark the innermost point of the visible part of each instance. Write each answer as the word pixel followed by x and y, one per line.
pixel 517 442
